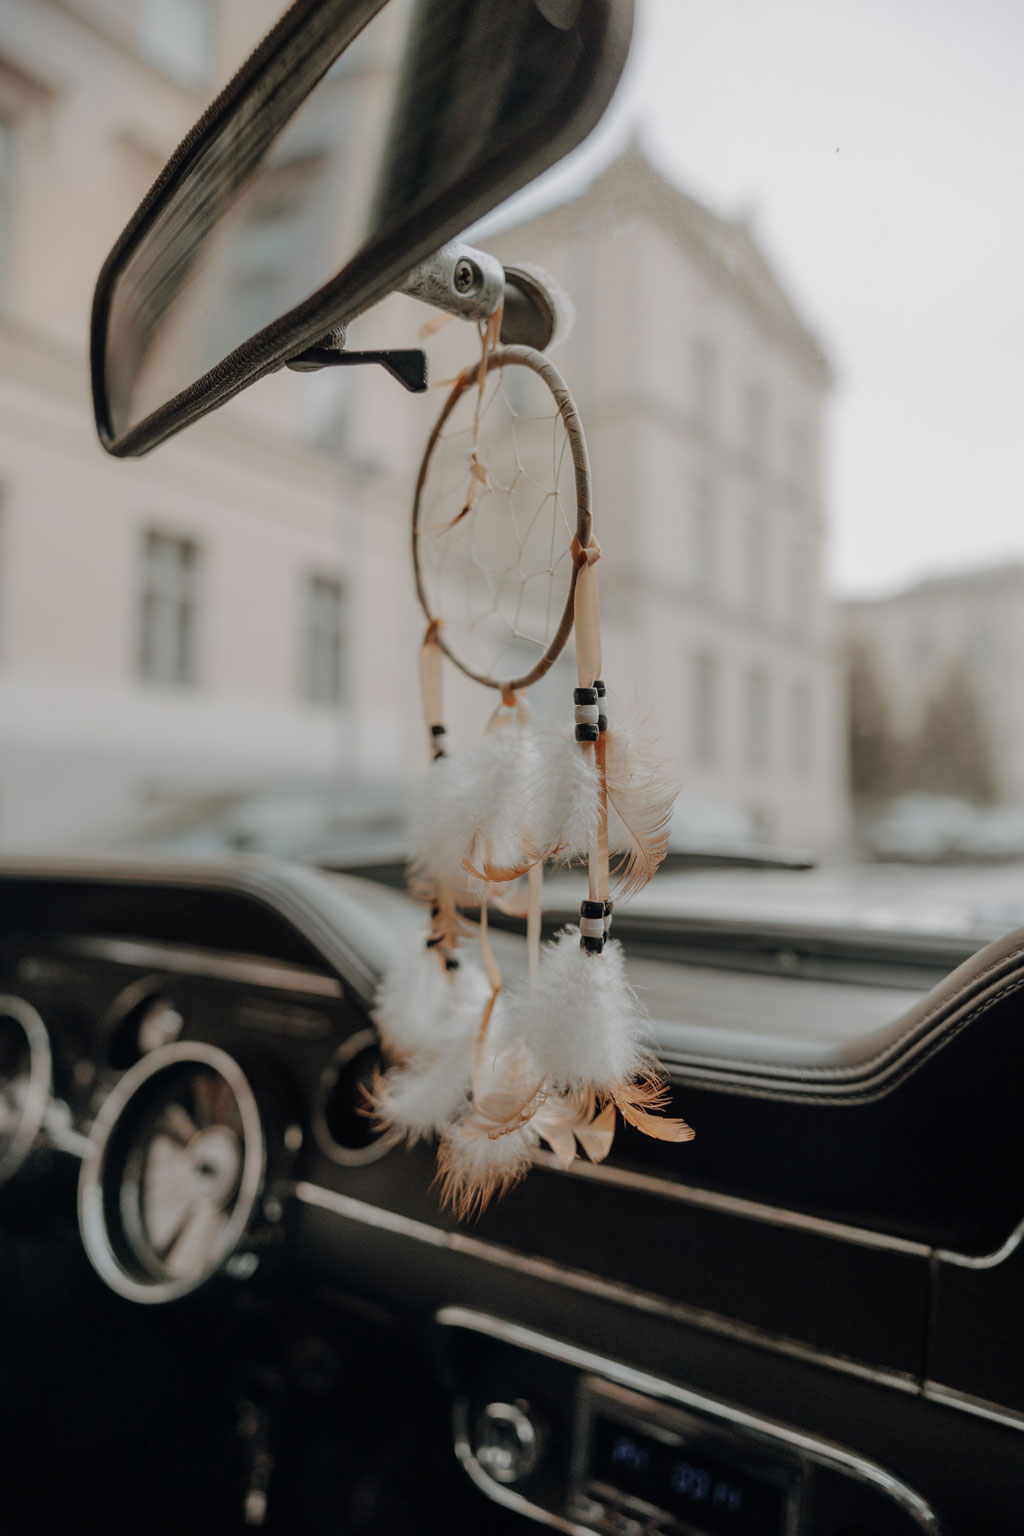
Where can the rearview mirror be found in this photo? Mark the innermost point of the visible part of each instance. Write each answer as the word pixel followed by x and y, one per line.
pixel 359 138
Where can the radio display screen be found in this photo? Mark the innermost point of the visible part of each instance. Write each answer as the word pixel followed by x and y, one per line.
pixel 707 1492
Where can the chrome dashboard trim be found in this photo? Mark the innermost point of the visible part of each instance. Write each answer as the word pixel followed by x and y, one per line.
pixel 40 1083
pixel 179 959
pixel 507 1497
pixel 1005 1250
pixel 626 1376
pixel 350 1209
pixel 981 1407
pixel 734 1205
pixel 327 910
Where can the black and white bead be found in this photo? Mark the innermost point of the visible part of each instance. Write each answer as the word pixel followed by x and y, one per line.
pixel 602 705
pixel 588 714
pixel 592 926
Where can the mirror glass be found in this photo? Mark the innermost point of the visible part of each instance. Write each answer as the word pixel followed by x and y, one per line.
pixel 317 160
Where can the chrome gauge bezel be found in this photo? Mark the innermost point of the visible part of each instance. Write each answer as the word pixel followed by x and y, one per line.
pixel 40 1086
pixel 349 1157
pixel 97 1203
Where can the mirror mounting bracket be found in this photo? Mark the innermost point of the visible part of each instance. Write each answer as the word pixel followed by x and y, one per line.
pixel 457 278
pixel 408 365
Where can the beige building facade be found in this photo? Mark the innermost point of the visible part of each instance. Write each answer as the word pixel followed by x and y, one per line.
pixel 222 613
pixel 237 609
pixel 704 396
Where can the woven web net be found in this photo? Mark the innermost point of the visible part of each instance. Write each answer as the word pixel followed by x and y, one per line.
pixel 497 516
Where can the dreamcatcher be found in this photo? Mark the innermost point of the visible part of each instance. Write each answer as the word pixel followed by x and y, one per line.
pixel 506 566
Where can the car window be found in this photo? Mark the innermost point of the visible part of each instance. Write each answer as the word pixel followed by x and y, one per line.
pixel 792 251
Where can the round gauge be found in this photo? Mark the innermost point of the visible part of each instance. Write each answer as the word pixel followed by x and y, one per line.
pixel 343 1122
pixel 142 1017
pixel 175 1168
pixel 25 1081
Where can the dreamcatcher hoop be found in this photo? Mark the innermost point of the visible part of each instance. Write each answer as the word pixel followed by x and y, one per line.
pixel 568 414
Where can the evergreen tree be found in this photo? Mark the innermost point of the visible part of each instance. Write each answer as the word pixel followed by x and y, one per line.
pixel 877 758
pixel 953 751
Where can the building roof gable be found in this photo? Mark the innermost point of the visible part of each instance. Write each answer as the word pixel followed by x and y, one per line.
pixel 630 186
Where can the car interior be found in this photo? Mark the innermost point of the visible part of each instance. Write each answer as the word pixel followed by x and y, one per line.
pixel 822 1337
pixel 231 1300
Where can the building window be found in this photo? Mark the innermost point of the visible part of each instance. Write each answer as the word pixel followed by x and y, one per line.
pixel 801 730
pixel 323 679
pixel 758 723
pixel 274 248
pixel 167 640
pixel 702 384
pixel 704 723
pixel 800 594
pixel 758 578
pixel 755 425
pixel 327 403
pixel 6 200
pixel 177 37
pixel 703 541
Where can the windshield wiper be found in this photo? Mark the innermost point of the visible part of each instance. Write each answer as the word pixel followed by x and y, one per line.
pixel 738 855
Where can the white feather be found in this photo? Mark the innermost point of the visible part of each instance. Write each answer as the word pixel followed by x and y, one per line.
pixel 472 806
pixel 438 1014
pixel 565 796
pixel 641 788
pixel 409 996
pixel 474 1168
pixel 579 1017
pixel 423 1097
pixel 421 1006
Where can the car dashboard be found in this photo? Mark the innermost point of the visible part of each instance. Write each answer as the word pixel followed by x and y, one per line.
pixel 230 1302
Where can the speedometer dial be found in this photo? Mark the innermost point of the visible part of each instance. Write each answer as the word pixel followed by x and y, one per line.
pixel 182 1174
pixel 177 1165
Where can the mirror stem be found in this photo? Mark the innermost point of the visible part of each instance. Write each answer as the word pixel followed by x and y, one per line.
pixel 408 366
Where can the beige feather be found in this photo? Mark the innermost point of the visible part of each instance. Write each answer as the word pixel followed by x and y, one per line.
pixel 566 1120
pixel 512 901
pixel 507 1091
pixel 497 874
pixel 597 1135
pixel 640 1103
pixel 448 927
pixel 491 1146
pixel 431 326
pixel 473 1171
pixel 642 790
pixel 559 1138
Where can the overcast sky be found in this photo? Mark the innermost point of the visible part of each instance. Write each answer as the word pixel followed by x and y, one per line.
pixel 878 146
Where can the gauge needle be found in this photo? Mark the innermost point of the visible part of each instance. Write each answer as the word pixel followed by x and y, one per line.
pixel 196 1247
pixel 168 1193
pixel 177 1123
pixel 212 1098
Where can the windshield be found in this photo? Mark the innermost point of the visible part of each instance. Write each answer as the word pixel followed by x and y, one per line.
pixel 793 251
